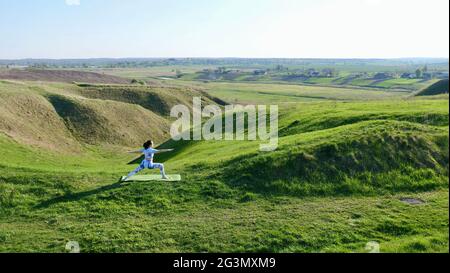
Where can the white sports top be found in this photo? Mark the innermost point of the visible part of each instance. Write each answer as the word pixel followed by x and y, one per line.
pixel 149 154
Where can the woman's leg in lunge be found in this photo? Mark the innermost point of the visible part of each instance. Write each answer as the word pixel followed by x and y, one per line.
pixel 161 169
pixel 138 169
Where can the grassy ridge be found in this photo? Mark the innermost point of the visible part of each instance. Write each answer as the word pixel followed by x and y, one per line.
pixel 318 116
pixel 369 157
pixel 157 99
pixel 64 117
pixel 335 148
pixel 98 121
pixel 440 87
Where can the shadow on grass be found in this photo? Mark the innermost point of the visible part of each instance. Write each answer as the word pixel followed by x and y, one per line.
pixel 72 197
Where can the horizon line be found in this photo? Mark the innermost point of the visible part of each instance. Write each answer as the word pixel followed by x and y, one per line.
pixel 249 58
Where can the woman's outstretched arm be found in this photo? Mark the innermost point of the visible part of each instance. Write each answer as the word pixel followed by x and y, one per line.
pixel 135 152
pixel 164 151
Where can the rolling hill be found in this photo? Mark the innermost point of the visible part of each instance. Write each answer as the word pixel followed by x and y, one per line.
pixel 321 150
pixel 64 117
pixel 441 87
pixel 68 76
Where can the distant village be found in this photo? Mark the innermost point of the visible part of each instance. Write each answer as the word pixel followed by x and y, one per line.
pixel 422 73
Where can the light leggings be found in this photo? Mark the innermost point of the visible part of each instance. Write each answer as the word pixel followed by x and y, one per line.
pixel 148 165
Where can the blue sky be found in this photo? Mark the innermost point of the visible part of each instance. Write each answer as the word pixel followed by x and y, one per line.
pixel 224 28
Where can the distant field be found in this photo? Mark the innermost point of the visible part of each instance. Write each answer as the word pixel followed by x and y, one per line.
pixel 283 93
pixel 191 73
pixel 150 72
pixel 412 84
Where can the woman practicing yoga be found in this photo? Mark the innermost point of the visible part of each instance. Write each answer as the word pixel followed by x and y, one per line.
pixel 147 163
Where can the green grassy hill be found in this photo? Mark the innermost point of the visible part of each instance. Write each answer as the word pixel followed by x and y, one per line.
pixel 30 119
pixel 64 117
pixel 324 146
pixel 438 88
pixel 336 182
pixel 156 99
pixel 55 75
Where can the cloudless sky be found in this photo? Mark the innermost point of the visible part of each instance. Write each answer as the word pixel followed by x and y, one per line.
pixel 224 28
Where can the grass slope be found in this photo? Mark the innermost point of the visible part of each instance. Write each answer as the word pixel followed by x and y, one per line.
pixel 109 122
pixel 29 118
pixel 441 87
pixel 64 117
pixel 324 146
pixel 368 157
pixel 52 75
pixel 157 99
